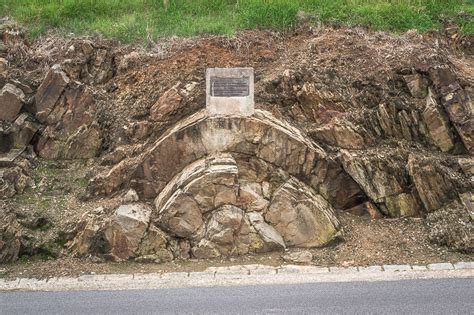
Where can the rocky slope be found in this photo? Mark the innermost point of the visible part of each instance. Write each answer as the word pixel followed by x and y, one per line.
pixel 117 159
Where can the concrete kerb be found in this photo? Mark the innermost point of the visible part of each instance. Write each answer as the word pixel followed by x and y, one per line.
pixel 242 275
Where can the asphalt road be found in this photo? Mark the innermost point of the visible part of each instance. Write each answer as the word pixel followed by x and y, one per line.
pixel 437 296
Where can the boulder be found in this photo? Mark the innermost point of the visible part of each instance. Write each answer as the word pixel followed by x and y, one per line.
pixel 11 101
pixel 302 218
pixel 125 230
pixel 224 226
pixel 238 206
pixel 154 242
pixel 23 130
pixel 182 218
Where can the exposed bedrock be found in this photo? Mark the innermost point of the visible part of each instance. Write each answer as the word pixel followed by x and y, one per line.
pixel 244 206
pixel 220 205
pixel 262 136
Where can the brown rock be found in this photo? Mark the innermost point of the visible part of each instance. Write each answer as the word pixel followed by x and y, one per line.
pixel 378 175
pixel 11 101
pixel 166 105
pixel 417 85
pixel 434 186
pixel 401 205
pixel 261 135
pixel 87 238
pixel 303 218
pixel 125 230
pixel 344 135
pixel 154 241
pixel 205 249
pixel 224 225
pixel 460 108
pixel 24 128
pixel 437 125
pixel 183 218
pixel 13 180
pixel 71 132
pixel 269 235
pixel 49 92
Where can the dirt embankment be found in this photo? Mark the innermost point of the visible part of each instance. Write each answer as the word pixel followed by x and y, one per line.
pixel 392 115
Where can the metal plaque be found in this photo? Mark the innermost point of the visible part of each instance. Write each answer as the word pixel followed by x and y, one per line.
pixel 230 87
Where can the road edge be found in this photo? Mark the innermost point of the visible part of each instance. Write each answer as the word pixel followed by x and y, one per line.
pixel 241 275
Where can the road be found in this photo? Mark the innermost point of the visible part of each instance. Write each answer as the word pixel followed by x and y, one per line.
pixel 434 296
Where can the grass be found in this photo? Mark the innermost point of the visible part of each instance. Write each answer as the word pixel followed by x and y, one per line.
pixel 141 20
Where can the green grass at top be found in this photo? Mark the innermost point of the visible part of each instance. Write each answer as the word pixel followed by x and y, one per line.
pixel 138 20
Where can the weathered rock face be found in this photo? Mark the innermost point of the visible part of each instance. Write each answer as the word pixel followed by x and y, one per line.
pixel 225 206
pixel 384 179
pixel 389 138
pixel 49 92
pixel 68 111
pixel 154 246
pixel 125 230
pixel 261 135
pixel 436 184
pixel 437 125
pixel 457 102
pixel 11 101
pixel 417 84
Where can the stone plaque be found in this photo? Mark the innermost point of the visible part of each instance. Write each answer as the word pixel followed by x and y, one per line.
pixel 229 91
